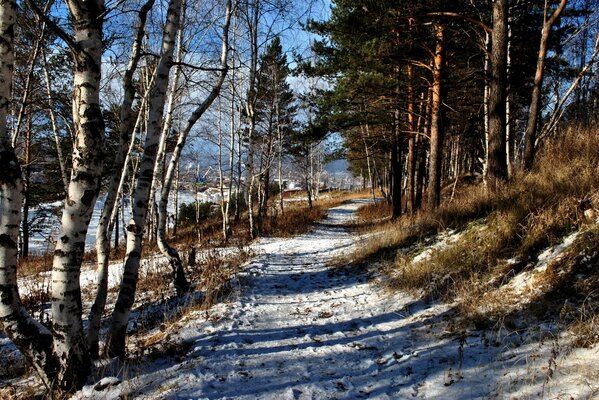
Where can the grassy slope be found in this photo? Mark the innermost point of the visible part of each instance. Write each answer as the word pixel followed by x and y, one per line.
pixel 491 267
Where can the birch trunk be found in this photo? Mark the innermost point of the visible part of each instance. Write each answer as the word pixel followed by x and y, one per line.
pixel 126 296
pixel 227 210
pixel 181 283
pixel 27 89
pixel 30 337
pixel 61 160
pixel 158 174
pixel 250 112
pixel 69 346
pixel 105 227
pixel 530 136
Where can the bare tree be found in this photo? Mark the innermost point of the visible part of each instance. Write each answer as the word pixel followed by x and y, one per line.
pixel 126 296
pixel 181 283
pixel 535 102
pixel 105 228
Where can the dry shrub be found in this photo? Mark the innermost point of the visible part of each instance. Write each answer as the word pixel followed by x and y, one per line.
pixel 9 393
pixel 533 211
pixel 294 220
pixel 33 265
pixel 475 253
pixel 216 274
pixel 372 213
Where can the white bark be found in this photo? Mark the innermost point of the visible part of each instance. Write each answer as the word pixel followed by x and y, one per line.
pixel 34 340
pixel 250 112
pixel 158 174
pixel 181 283
pixel 67 327
pixel 126 297
pixel 105 225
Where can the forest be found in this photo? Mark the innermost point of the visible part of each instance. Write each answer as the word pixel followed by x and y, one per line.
pixel 163 159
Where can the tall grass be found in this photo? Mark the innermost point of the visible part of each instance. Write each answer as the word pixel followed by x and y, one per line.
pixel 532 211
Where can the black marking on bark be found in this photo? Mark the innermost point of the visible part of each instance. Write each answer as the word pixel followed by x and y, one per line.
pixel 7 294
pixel 87 177
pixel 88 197
pixel 134 229
pixel 7 242
pixel 59 253
pixel 64 239
pixel 9 165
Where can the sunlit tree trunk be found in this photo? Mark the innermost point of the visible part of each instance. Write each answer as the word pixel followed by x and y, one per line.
pixel 250 104
pixel 496 155
pixel 181 283
pixel 126 296
pixel 411 168
pixel 104 229
pixel 32 339
pixel 437 129
pixel 530 136
pixel 70 348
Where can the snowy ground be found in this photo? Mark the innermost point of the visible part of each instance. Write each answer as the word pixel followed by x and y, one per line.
pixel 297 329
pixel 47 223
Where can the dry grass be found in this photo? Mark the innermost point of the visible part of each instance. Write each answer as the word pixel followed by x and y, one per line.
pixel 530 213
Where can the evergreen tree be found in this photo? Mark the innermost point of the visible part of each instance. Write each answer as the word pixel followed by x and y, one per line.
pixel 275 116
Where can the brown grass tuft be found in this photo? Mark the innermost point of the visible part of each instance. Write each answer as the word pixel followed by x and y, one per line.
pixel 530 213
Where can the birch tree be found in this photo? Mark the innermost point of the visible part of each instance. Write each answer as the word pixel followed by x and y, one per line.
pixel 60 356
pixel 105 226
pixel 135 229
pixel 181 283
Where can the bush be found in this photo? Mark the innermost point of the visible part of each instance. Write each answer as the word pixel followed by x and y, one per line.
pixel 192 213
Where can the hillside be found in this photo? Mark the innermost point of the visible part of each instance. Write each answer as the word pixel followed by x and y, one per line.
pixel 297 327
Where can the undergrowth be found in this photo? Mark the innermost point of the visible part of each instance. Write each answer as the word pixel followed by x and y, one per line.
pixel 499 236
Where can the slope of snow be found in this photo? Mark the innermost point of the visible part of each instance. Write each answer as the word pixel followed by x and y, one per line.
pixel 295 328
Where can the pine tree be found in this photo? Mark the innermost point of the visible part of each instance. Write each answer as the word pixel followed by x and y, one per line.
pixel 275 117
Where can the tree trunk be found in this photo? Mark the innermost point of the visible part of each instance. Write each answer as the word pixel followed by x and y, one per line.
pixel 496 155
pixel 126 296
pixel 181 283
pixel 437 129
pixel 69 345
pixel 31 338
pixel 250 103
pixel 105 224
pixel 61 159
pixel 410 184
pixel 396 174
pixel 530 136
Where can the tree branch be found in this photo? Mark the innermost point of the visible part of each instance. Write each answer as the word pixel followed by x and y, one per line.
pixel 75 48
pixel 460 16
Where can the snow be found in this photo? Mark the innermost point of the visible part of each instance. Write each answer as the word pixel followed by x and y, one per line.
pixel 42 239
pixel 296 328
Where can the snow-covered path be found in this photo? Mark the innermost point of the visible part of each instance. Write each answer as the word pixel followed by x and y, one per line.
pixel 298 329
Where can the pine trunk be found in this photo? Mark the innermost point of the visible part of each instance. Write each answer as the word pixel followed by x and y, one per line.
pixel 496 156
pixel 437 129
pixel 530 136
